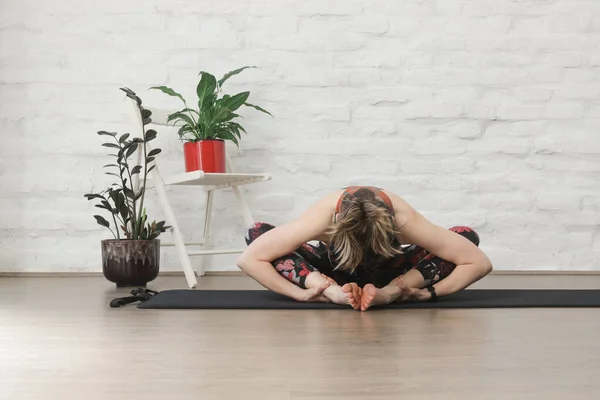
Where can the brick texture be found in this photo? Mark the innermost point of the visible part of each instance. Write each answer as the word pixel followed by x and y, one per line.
pixel 479 112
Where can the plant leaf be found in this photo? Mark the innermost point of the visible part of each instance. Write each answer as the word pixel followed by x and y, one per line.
pixel 183 130
pixel 232 73
pixel 151 168
pixel 136 169
pixel 128 192
pixel 131 94
pixel 113 134
pixel 128 91
pixel 206 87
pixel 130 151
pixel 207 103
pixel 221 114
pixel 124 211
pixel 123 138
pixel 236 132
pixel 179 115
pixel 92 196
pixel 154 152
pixel 236 101
pixel 169 91
pixel 189 110
pixel 113 174
pixel 113 145
pixel 150 135
pixel 238 126
pixel 146 113
pixel 231 116
pixel 226 135
pixel 149 160
pixel 146 121
pixel 101 221
pixel 120 200
pixel 258 108
pixel 110 165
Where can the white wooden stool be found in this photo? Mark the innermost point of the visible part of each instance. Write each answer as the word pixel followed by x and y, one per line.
pixel 209 182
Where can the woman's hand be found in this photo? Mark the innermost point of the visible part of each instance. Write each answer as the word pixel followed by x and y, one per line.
pixel 411 294
pixel 330 280
pixel 471 263
pixel 313 295
pixel 256 260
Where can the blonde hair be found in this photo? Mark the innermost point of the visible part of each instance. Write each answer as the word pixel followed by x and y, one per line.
pixel 364 228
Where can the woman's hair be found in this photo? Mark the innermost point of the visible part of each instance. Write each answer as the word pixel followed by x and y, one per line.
pixel 364 228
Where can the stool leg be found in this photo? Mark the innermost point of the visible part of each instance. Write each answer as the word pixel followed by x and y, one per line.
pixel 206 234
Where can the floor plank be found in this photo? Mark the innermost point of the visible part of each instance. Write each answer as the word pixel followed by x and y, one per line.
pixel 60 340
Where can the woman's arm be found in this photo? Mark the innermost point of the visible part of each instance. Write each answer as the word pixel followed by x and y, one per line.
pixel 257 258
pixel 471 263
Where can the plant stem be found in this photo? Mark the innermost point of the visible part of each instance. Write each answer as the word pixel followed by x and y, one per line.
pixel 145 178
pixel 133 221
pixel 129 206
pixel 116 227
pixel 117 236
pixel 196 127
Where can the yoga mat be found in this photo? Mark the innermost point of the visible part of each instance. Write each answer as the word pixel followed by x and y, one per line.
pixel 266 300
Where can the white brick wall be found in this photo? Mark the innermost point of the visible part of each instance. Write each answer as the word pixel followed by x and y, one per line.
pixel 481 112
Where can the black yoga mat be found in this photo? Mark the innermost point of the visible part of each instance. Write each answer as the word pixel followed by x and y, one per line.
pixel 263 300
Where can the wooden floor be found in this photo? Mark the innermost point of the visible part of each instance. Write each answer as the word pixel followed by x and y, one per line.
pixel 60 340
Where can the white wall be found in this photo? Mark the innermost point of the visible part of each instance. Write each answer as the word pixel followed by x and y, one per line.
pixel 482 112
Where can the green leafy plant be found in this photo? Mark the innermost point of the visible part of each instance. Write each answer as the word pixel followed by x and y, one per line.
pixel 216 113
pixel 124 202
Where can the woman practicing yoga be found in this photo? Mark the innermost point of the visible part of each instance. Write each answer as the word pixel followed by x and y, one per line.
pixel 373 249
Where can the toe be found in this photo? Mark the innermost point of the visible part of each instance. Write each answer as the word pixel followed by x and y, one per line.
pixel 356 291
pixel 368 294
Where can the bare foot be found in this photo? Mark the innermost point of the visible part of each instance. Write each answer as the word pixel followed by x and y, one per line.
pixel 336 295
pixel 330 280
pixel 315 294
pixel 353 293
pixel 372 296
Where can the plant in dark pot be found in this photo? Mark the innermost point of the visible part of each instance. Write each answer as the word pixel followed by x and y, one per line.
pixel 132 257
pixel 205 129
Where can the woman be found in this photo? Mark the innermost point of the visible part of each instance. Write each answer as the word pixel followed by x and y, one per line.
pixel 373 249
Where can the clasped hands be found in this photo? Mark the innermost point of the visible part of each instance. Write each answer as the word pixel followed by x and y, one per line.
pixel 361 298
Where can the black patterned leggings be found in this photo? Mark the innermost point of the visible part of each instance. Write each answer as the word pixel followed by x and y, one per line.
pixel 308 258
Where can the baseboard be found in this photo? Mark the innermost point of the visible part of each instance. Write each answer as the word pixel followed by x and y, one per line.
pixel 544 272
pixel 99 274
pixel 240 273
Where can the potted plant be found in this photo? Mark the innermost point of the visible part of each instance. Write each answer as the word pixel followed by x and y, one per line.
pixel 132 257
pixel 206 128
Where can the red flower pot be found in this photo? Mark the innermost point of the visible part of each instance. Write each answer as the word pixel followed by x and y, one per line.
pixel 205 155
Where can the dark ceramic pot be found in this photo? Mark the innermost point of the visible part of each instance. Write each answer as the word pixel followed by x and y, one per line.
pixel 130 262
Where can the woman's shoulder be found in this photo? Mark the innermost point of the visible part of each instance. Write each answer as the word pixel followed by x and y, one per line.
pixel 330 200
pixel 402 209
